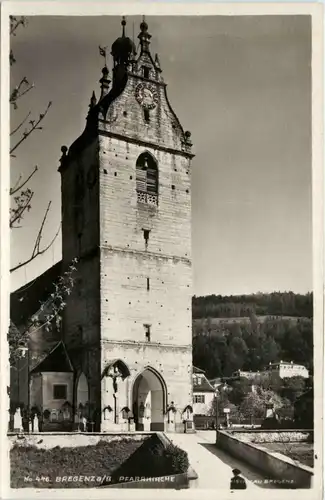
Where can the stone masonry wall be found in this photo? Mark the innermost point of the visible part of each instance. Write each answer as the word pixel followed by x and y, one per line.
pixel 122 219
pixel 111 302
pixel 174 365
pixel 126 262
pixel 80 238
pixel 125 117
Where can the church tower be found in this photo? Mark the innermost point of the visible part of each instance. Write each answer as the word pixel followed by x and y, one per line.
pixel 126 216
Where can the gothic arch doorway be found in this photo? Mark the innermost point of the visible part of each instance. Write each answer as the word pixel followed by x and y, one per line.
pixel 149 401
pixel 82 391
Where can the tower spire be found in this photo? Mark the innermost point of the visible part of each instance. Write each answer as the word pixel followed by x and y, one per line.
pixel 144 36
pixel 104 81
pixel 122 48
pixel 123 22
pixel 93 101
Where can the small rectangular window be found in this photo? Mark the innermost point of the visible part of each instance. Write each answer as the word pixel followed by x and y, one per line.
pixel 148 284
pixel 147 332
pixel 146 115
pixel 145 72
pixel 146 233
pixel 60 391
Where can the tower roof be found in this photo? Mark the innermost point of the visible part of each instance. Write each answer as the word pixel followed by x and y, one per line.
pixel 123 47
pixel 144 36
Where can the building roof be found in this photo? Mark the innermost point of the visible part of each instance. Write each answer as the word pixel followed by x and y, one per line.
pixel 197 370
pixel 56 361
pixel 215 381
pixel 203 386
pixel 26 301
pixel 286 363
pixel 245 374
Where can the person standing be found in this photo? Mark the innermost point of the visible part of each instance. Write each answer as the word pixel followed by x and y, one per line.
pixel 237 482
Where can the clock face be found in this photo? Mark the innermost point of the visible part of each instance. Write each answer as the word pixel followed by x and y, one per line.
pixel 146 95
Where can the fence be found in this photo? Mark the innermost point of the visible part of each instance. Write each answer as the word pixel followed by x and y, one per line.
pixel 209 422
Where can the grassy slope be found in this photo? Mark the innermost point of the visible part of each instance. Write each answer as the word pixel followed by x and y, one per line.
pixel 97 460
pixel 300 452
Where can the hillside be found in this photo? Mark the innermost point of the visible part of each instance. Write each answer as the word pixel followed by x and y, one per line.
pixel 260 304
pixel 238 338
pixel 203 325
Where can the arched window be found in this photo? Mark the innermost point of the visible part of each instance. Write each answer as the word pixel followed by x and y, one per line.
pixel 147 179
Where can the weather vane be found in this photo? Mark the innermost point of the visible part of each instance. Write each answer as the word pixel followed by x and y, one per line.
pixel 102 52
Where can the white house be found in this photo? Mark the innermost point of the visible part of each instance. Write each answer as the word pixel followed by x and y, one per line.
pixel 287 369
pixel 203 393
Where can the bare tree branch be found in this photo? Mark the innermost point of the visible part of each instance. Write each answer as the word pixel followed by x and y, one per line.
pixel 15 96
pixel 37 250
pixel 18 186
pixel 34 126
pixel 40 232
pixel 20 125
pixel 15 22
pixel 23 204
pixel 50 312
pixel 13 190
pixel 17 92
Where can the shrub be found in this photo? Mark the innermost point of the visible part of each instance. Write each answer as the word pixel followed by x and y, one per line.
pixel 153 459
pixel 176 459
pixel 167 460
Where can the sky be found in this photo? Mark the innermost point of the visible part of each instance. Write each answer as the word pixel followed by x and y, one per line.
pixel 242 86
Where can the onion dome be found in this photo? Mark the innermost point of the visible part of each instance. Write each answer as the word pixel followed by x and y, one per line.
pixel 123 47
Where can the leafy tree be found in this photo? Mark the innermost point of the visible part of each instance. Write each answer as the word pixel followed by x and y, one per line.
pixel 293 388
pixel 274 304
pixel 251 344
pixel 286 411
pixel 269 350
pixel 252 406
pixel 239 390
pixel 221 402
pixel 269 381
pixel 304 410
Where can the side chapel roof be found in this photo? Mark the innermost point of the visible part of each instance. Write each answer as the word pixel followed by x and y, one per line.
pixel 56 361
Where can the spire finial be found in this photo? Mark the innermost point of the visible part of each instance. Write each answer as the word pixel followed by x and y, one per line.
pixel 93 100
pixel 104 81
pixel 123 22
pixel 144 36
pixel 157 62
pixel 103 53
pixel 122 48
pixel 144 25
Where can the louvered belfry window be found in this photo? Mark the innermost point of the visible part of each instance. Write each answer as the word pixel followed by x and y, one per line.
pixel 147 179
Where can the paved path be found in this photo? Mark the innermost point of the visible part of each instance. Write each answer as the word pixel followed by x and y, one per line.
pixel 212 465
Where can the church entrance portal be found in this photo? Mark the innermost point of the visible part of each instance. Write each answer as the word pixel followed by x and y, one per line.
pixel 149 401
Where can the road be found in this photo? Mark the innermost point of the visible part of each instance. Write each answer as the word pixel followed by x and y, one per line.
pixel 214 466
